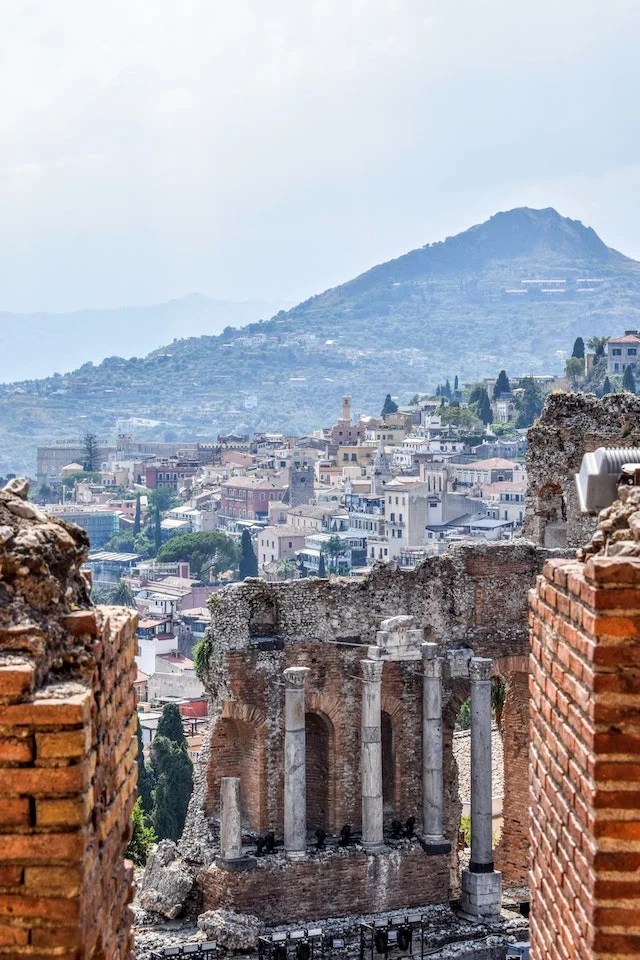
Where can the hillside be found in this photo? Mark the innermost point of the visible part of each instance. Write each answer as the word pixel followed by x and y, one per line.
pixel 513 292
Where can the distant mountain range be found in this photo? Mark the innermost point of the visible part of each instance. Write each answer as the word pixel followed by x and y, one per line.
pixel 67 340
pixel 513 292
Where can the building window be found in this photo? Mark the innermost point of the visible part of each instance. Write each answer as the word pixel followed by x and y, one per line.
pixel 617 351
pixel 632 352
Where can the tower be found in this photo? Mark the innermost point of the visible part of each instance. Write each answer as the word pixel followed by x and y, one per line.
pixel 301 478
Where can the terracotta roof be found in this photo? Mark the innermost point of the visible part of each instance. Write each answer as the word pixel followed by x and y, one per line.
pixel 492 463
pixel 628 338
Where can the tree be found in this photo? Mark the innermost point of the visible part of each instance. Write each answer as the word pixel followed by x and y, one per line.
pixel 573 369
pixel 121 542
pixel 248 562
pixel 142 836
pixel 455 383
pixel 483 406
pixel 321 567
pixel 606 387
pixel 447 388
pixel 286 567
pixel 137 520
pixel 389 406
pixel 163 498
pixel 213 551
pixel 170 725
pixel 173 771
pixel 201 653
pixel 335 549
pixel 578 348
pixel 628 380
pixel 90 461
pixel 598 345
pixel 157 527
pixel 530 403
pixel 145 783
pixel 122 595
pixel 502 385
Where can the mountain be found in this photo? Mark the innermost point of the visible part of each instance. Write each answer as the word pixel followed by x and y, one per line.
pixel 513 292
pixel 67 340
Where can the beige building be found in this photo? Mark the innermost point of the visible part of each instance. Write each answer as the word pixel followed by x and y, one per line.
pixel 279 543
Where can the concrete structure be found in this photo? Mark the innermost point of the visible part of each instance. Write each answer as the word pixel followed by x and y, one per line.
pixel 295 784
pixel 248 498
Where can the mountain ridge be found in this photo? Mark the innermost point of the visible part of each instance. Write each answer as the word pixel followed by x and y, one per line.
pixel 467 305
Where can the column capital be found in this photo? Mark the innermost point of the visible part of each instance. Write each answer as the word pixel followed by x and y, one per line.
pixel 431 662
pixel 480 668
pixel 372 670
pixel 296 676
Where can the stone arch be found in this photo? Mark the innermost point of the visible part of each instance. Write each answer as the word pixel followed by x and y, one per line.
pixel 237 750
pixel 320 770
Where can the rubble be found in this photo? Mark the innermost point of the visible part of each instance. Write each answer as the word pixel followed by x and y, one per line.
pixel 234 932
pixel 618 533
pixel 167 882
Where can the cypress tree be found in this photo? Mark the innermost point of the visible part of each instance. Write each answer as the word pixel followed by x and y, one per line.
pixel 248 561
pixel 170 725
pixel 606 387
pixel 157 529
pixel 628 380
pixel 389 406
pixel 90 452
pixel 578 348
pixel 137 520
pixel 321 567
pixel 174 784
pixel 144 778
pixel 455 383
pixel 502 385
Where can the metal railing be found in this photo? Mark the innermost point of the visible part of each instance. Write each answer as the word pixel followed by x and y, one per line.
pixel 207 950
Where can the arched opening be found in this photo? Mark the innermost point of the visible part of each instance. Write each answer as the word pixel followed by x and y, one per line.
pixel 319 770
pixel 551 516
pixel 388 764
pixel 237 748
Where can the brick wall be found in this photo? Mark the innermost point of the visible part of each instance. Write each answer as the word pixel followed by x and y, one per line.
pixel 358 884
pixel 67 787
pixel 585 760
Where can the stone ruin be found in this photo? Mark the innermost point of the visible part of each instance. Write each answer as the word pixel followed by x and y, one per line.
pixel 570 425
pixel 67 746
pixel 334 703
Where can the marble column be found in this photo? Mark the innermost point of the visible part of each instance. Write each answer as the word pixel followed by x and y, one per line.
pixel 481 884
pixel 295 774
pixel 432 764
pixel 230 819
pixel 371 759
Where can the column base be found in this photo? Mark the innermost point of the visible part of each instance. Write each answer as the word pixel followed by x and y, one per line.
pixel 373 847
pixel 295 854
pixel 434 845
pixel 238 863
pixel 481 893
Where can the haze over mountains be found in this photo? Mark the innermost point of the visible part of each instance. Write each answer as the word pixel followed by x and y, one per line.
pixel 513 292
pixel 67 340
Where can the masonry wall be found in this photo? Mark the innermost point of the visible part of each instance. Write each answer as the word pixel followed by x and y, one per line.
pixel 350 882
pixel 585 760
pixel 67 747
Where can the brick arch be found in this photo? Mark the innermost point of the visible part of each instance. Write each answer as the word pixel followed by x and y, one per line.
pixel 320 770
pixel 238 750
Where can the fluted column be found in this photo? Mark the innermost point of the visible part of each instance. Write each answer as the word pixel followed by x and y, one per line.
pixel 295 776
pixel 371 759
pixel 230 819
pixel 432 777
pixel 481 787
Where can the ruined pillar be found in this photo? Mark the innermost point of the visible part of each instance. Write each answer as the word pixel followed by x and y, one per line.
pixel 230 819
pixel 295 778
pixel 432 764
pixel 371 758
pixel 481 884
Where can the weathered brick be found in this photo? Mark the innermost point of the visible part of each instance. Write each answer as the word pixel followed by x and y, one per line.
pixel 65 743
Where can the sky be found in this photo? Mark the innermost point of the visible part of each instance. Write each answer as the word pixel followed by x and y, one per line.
pixel 250 149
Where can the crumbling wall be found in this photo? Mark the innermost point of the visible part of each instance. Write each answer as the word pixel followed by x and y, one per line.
pixel 570 425
pixel 474 597
pixel 585 752
pixel 67 746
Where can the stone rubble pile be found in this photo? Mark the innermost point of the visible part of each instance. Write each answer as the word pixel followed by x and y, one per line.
pixel 618 533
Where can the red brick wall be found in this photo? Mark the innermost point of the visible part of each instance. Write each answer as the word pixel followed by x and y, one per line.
pixel 585 760
pixel 67 786
pixel 358 884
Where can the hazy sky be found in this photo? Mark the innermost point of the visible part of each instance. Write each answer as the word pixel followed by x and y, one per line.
pixel 273 149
